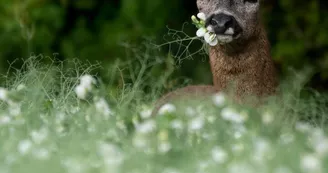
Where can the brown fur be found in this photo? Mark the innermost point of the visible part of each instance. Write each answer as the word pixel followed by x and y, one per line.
pixel 188 92
pixel 245 66
pixel 251 68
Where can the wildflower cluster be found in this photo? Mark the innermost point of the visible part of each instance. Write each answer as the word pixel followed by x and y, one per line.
pixel 86 88
pixel 203 31
pixel 13 104
pixel 213 135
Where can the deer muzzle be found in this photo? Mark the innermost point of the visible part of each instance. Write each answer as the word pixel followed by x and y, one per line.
pixel 223 24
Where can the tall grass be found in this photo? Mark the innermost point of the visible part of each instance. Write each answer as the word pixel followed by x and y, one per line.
pixel 45 127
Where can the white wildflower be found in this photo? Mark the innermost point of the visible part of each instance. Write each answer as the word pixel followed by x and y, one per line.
pixel 87 81
pixel 111 154
pixel 60 117
pixel 319 142
pixel 303 127
pixel 219 155
pixel 39 136
pixel 196 124
pixel 201 16
pixel 190 111
pixel 74 109
pixel 85 86
pixel 239 130
pixel 167 109
pixel 41 154
pixel 164 147
pixel 317 134
pixel 287 138
pixel 261 149
pixel 146 127
pixel 121 125
pixel 310 163
pixel 211 39
pixel 201 32
pixel 267 118
pixel 103 107
pixel 24 146
pixel 140 141
pixel 177 124
pixel 219 99
pixel 233 116
pixel 20 87
pixel 14 108
pixel 145 113
pixel 60 129
pixel 321 147
pixel 3 94
pixel 4 120
pixel 81 92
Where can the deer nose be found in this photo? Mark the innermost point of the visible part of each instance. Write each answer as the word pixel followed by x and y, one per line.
pixel 221 22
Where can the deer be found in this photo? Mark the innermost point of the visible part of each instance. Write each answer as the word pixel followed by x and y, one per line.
pixel 242 59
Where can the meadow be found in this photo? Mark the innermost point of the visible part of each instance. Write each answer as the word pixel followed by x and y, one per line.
pixel 64 118
pixel 87 107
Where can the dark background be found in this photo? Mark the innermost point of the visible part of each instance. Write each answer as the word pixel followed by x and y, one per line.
pixel 94 30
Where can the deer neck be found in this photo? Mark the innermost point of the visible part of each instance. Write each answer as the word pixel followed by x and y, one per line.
pixel 247 66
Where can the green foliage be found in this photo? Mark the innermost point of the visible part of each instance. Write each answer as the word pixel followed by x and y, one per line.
pixel 298 34
pixel 45 127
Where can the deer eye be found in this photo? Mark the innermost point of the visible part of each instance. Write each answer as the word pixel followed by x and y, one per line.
pixel 250 1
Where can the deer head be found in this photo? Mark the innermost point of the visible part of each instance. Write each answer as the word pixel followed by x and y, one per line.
pixel 231 20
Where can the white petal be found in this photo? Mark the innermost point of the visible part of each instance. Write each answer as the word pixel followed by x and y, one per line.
pixel 3 94
pixel 81 92
pixel 201 32
pixel 219 99
pixel 167 109
pixel 87 81
pixel 210 28
pixel 219 155
pixel 214 42
pixel 311 163
pixel 24 146
pixel 146 127
pixel 196 124
pixel 207 37
pixel 201 16
pixel 103 107
pixel 211 39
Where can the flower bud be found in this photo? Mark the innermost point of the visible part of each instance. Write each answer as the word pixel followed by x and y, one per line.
pixel 201 16
pixel 194 19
